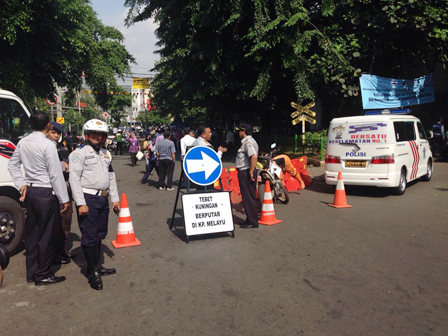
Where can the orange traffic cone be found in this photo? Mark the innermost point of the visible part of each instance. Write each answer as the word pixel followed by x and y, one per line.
pixel 267 209
pixel 125 230
pixel 340 200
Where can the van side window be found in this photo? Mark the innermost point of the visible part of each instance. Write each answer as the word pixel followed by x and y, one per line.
pixel 421 131
pixel 404 131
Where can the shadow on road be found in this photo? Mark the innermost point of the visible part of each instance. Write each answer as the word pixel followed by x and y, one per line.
pixel 320 186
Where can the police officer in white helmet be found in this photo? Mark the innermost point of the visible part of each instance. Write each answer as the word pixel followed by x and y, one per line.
pixel 92 179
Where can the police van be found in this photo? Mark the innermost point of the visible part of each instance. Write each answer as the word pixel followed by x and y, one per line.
pixel 381 148
pixel 14 125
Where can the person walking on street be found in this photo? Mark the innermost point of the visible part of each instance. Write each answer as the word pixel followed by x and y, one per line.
pixel 119 138
pixel 166 155
pixel 246 161
pixel 438 131
pixel 92 178
pixel 42 189
pixel 151 159
pixel 134 147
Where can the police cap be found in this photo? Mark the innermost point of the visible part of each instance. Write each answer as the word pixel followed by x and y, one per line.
pixel 57 127
pixel 246 128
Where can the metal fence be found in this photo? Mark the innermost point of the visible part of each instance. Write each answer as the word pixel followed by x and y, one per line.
pixel 312 146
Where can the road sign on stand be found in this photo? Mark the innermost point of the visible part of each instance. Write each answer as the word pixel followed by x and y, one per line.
pixel 202 165
pixel 207 213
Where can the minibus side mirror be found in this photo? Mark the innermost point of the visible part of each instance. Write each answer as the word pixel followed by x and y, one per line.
pixel 429 134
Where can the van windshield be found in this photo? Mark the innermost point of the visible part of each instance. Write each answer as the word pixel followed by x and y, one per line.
pixel 14 121
pixel 359 133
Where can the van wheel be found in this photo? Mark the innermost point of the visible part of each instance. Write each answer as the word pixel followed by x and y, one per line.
pixel 401 188
pixel 428 175
pixel 12 224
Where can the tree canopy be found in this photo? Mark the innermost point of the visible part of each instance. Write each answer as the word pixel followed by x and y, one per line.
pixel 255 56
pixel 48 42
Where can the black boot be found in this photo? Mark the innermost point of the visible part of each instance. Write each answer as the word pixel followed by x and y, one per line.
pixel 104 271
pixel 93 268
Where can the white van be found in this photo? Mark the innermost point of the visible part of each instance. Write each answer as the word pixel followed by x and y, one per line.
pixel 382 150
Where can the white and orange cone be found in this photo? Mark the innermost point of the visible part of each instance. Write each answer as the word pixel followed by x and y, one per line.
pixel 125 229
pixel 340 199
pixel 267 209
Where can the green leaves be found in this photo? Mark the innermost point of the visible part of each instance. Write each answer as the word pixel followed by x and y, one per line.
pixel 45 43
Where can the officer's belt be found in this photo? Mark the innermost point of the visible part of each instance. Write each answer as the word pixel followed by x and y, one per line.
pixel 39 185
pixel 242 168
pixel 95 192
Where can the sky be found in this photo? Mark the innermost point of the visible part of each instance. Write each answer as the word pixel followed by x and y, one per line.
pixel 139 39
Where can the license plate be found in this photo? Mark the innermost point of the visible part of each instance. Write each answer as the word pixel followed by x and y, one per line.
pixel 355 164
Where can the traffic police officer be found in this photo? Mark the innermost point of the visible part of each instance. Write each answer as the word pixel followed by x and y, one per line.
pixel 246 161
pixel 62 256
pixel 41 188
pixel 92 178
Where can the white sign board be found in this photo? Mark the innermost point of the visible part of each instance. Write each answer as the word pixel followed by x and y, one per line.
pixel 207 213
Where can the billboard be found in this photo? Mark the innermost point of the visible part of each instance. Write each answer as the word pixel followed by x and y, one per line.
pixel 140 83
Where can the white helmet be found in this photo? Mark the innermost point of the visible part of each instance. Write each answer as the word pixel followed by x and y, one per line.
pixel 94 125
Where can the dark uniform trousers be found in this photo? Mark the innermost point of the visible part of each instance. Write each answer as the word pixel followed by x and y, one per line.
pixel 248 193
pixel 119 148
pixel 43 224
pixel 94 226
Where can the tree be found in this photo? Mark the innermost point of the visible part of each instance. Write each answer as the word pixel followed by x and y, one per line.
pixel 253 57
pixel 74 118
pixel 52 42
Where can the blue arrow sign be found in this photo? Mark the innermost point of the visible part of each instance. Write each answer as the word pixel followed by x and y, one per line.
pixel 202 165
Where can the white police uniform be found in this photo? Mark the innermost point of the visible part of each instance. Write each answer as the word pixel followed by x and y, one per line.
pixel 248 148
pixel 92 179
pixel 43 175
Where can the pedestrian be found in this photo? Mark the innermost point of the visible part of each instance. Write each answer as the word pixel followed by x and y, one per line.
pixel 151 158
pixel 134 147
pixel 438 131
pixel 246 161
pixel 119 138
pixel 92 178
pixel 62 256
pixel 42 189
pixel 187 141
pixel 166 155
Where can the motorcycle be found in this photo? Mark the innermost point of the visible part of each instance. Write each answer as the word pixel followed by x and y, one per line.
pixel 111 143
pixel 273 174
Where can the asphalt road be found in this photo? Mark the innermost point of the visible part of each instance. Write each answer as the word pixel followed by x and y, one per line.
pixel 379 268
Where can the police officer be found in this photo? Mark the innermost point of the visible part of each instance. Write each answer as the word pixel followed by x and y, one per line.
pixel 246 161
pixel 62 256
pixel 41 188
pixel 92 178
pixel 439 136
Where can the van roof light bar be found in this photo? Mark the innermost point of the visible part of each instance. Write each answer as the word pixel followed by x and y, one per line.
pixel 397 111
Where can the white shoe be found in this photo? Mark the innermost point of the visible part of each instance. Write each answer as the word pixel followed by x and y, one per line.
pixel 170 189
pixel 161 188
